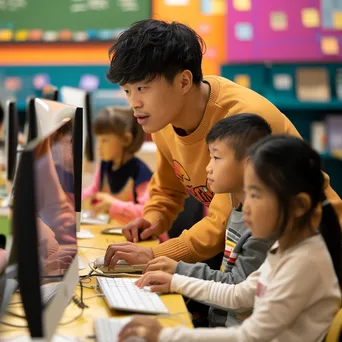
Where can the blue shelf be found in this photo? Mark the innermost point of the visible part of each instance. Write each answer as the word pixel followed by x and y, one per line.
pixel 290 103
pixel 329 156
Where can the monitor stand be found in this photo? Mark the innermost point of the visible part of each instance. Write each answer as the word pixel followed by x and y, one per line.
pixel 81 234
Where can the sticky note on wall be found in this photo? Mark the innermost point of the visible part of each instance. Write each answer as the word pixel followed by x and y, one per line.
pixel 242 5
pixel 330 46
pixel 337 20
pixel 278 21
pixel 243 80
pixel 310 17
pixel 213 7
pixel 244 31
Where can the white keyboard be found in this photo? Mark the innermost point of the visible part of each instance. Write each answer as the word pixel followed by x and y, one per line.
pixel 122 294
pixel 88 218
pixel 108 329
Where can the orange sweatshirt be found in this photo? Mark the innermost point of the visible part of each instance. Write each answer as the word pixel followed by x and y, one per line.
pixel 181 163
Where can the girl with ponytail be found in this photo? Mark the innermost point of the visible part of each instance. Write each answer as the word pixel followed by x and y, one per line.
pixel 295 294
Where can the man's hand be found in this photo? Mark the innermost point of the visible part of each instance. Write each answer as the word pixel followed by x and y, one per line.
pixel 140 227
pixel 130 252
pixel 162 263
pixel 158 281
pixel 103 202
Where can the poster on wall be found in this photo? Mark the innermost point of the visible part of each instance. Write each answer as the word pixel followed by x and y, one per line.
pixel 278 30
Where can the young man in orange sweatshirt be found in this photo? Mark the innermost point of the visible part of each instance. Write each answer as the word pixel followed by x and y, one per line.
pixel 158 65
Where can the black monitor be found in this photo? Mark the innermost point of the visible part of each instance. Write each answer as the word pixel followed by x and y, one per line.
pixel 50 92
pixel 30 129
pixel 81 98
pixel 44 226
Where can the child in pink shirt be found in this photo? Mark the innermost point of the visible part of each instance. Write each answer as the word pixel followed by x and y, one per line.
pixel 120 184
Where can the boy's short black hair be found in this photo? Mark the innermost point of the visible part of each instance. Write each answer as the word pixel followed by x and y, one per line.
pixel 240 131
pixel 151 48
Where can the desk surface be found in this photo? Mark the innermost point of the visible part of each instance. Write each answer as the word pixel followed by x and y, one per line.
pixel 83 327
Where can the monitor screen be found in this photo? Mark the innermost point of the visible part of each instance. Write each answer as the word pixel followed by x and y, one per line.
pixel 44 224
pixel 52 113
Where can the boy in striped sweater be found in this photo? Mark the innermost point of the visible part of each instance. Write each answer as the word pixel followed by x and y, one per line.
pixel 228 142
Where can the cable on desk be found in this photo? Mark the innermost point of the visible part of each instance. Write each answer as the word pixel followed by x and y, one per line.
pixel 10 313
pixel 79 302
pixel 14 325
pixel 16 303
pixel 73 319
pixel 97 295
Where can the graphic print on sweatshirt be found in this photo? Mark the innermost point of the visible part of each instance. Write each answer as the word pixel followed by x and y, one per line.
pixel 202 193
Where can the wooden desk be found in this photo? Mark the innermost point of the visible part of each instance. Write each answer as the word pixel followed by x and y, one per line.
pixel 83 326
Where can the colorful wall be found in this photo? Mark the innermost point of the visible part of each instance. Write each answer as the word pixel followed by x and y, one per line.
pixel 207 17
pixel 279 30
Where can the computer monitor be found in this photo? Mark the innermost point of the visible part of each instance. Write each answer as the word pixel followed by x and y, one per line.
pixel 30 130
pixel 81 98
pixel 50 92
pixel 44 224
pixel 51 113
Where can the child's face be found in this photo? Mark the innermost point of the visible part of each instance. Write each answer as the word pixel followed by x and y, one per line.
pixel 156 104
pixel 225 173
pixel 109 147
pixel 260 205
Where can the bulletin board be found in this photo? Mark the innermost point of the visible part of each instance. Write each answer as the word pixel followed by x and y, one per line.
pixel 206 17
pixel 68 20
pixel 279 30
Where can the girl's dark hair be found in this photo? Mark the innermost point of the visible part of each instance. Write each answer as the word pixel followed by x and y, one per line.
pixel 118 121
pixel 151 48
pixel 288 166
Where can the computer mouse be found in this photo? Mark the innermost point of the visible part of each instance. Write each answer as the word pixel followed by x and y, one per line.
pixel 121 266
pixel 99 262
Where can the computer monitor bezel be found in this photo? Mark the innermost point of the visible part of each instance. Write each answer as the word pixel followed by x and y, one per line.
pixel 11 139
pixel 31 119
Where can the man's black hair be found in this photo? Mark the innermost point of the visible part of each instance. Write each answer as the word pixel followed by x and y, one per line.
pixel 152 48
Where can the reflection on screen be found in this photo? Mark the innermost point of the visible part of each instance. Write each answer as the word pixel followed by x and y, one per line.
pixel 56 221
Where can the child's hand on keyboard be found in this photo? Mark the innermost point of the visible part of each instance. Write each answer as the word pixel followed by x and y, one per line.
pixel 147 328
pixel 162 263
pixel 157 281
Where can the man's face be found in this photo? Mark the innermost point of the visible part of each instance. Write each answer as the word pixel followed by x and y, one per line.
pixel 156 103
